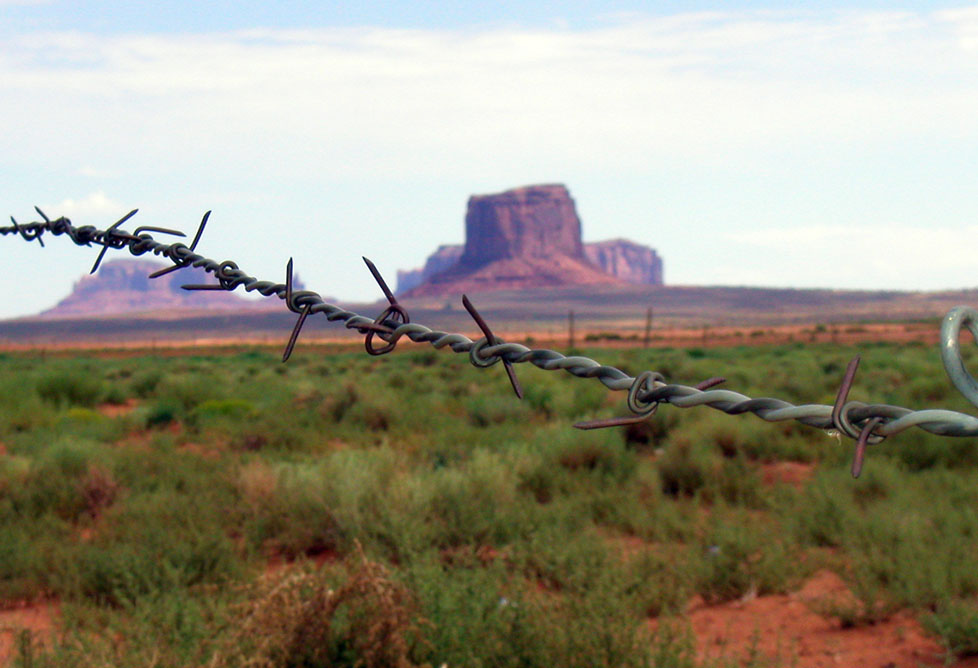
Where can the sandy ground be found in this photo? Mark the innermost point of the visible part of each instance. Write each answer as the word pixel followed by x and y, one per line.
pixel 37 619
pixel 786 630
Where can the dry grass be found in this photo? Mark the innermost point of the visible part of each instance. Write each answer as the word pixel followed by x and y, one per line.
pixel 99 490
pixel 297 617
pixel 257 482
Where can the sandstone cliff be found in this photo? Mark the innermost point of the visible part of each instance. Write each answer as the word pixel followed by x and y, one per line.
pixel 626 260
pixel 442 259
pixel 529 222
pixel 529 237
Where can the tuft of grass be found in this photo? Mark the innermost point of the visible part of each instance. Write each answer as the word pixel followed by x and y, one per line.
pixel 304 617
pixel 659 584
pixel 736 559
pixel 98 489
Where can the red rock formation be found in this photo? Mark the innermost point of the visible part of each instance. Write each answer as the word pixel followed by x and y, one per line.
pixel 442 259
pixel 626 260
pixel 124 286
pixel 621 258
pixel 529 237
pixel 529 222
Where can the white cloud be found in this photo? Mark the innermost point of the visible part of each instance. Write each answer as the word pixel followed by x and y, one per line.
pixel 681 85
pixel 96 172
pixel 964 23
pixel 95 205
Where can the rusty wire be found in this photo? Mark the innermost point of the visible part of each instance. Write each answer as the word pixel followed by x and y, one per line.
pixel 865 423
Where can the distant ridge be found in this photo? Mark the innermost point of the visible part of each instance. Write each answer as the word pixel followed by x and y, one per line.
pixel 536 312
pixel 123 286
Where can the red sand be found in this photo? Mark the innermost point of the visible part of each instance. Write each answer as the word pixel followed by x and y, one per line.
pixel 786 630
pixel 38 618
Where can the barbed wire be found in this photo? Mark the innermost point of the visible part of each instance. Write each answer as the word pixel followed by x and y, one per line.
pixel 865 423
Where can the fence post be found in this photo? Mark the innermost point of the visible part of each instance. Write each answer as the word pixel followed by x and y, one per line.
pixel 648 327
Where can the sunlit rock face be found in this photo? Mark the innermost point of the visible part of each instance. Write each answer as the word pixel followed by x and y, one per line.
pixel 528 237
pixel 626 260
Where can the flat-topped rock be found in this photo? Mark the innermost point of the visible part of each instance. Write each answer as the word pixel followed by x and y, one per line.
pixel 528 237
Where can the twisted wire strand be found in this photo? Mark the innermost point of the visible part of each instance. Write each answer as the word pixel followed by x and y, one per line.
pixel 645 391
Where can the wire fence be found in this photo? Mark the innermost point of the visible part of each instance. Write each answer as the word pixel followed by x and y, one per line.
pixel 865 423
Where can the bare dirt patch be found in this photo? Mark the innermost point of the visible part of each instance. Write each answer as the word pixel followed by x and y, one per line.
pixel 118 410
pixel 276 561
pixel 141 439
pixel 37 619
pixel 795 474
pixel 202 451
pixel 787 631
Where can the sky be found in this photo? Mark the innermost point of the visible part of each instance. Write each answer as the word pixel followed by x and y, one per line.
pixel 763 143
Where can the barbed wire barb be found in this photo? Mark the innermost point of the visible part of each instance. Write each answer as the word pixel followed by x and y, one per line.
pixel 303 312
pixel 180 264
pixel 110 236
pixel 490 340
pixel 393 309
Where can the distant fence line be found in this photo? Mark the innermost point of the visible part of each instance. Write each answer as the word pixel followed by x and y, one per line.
pixel 864 423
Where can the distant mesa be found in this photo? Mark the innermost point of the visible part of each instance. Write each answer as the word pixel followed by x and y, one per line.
pixel 525 238
pixel 123 286
pixel 627 260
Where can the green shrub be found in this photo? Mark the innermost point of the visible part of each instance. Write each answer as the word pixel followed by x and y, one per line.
pixel 163 412
pixel 52 483
pixel 152 559
pixel 956 624
pixel 70 388
pixel 479 616
pixel 738 558
pixel 223 415
pixel 338 402
pixel 292 508
pixel 18 565
pixel 659 584
pixel 175 628
pixel 540 399
pixel 488 410
pixel 685 468
pixel 186 393
pixel 83 416
pixel 144 382
pixel 473 504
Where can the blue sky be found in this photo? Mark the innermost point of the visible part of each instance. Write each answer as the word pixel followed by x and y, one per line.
pixel 190 16
pixel 750 143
